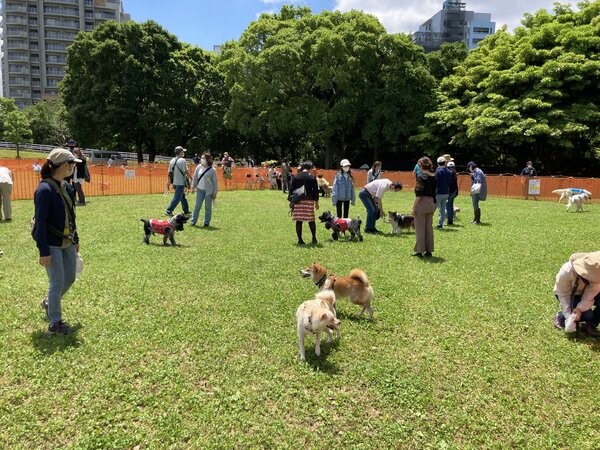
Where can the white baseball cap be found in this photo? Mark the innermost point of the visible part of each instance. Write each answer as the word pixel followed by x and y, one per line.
pixel 344 163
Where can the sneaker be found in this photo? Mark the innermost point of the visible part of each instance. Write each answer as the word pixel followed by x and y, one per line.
pixel 60 327
pixel 589 329
pixel 206 225
pixel 45 307
pixel 168 213
pixel 314 241
pixel 301 242
pixel 439 227
pixel 420 255
pixel 559 321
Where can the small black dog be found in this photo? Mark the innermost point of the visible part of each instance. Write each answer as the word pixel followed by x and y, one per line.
pixel 400 221
pixel 341 225
pixel 165 227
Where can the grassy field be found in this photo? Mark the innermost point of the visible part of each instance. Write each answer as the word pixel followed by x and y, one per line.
pixel 196 347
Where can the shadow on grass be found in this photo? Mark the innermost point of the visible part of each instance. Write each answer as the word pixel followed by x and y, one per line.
pixel 320 363
pixel 48 344
pixel 432 259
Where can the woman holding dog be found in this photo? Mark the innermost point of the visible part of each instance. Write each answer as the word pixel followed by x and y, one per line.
pixel 342 193
pixel 424 207
pixel 304 210
pixel 478 190
pixel 204 184
pixel 55 232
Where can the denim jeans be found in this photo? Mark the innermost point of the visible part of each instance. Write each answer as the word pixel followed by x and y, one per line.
pixel 179 197
pixel 440 201
pixel 61 274
pixel 367 200
pixel 475 200
pixel 450 206
pixel 200 198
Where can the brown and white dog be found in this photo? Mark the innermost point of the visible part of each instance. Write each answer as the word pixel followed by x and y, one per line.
pixel 568 192
pixel 400 221
pixel 315 317
pixel 578 200
pixel 165 227
pixel 355 286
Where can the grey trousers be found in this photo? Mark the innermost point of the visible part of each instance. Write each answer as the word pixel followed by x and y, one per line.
pixel 424 225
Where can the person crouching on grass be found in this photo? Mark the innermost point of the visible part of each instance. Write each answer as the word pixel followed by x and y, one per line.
pixel 577 288
pixel 304 210
pixel 55 232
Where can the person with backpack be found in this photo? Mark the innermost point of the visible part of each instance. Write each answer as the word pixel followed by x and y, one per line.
pixel 55 233
pixel 204 183
pixel 179 177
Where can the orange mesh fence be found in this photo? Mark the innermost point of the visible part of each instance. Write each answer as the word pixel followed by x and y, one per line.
pixel 151 179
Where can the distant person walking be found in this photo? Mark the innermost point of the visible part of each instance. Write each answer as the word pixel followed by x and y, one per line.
pixel 286 175
pixel 374 172
pixel 478 190
pixel 6 186
pixel 80 175
pixel 453 192
pixel 343 193
pixel 180 175
pixel 205 184
pixel 443 179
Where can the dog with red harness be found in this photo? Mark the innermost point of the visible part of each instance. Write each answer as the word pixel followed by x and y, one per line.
pixel 339 225
pixel 166 228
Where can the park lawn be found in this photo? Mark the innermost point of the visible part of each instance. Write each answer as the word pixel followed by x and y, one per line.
pixel 196 346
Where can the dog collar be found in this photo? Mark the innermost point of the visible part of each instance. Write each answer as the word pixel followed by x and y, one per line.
pixel 321 282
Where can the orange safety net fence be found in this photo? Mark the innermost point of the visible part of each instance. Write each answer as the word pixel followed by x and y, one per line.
pixel 152 178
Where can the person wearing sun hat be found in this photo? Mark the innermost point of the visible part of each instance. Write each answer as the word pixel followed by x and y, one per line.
pixel 453 191
pixel 477 178
pixel 577 289
pixel 342 193
pixel 55 232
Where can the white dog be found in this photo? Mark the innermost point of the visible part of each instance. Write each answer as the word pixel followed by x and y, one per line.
pixel 578 200
pixel 316 316
pixel 568 192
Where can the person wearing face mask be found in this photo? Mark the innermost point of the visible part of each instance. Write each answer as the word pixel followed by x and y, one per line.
pixel 55 233
pixel 204 184
pixel 342 193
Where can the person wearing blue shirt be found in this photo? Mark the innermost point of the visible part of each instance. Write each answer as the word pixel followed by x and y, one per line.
pixel 477 177
pixel 443 178
pixel 342 193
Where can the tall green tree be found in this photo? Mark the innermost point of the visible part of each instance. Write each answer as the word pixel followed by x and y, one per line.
pixel 7 105
pixel 16 129
pixel 531 95
pixel 48 122
pixel 329 82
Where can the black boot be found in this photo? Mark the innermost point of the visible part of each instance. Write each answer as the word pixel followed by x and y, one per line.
pixel 477 216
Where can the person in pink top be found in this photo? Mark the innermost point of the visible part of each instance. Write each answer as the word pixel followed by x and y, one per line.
pixel 577 288
pixel 372 197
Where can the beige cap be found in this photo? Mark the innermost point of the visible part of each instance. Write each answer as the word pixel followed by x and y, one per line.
pixel 60 156
pixel 588 266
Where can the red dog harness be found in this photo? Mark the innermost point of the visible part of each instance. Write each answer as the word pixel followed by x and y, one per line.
pixel 341 224
pixel 160 226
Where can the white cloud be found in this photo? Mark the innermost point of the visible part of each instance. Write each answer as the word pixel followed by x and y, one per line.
pixel 272 2
pixel 405 16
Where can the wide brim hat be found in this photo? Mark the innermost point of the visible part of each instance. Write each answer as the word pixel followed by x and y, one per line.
pixel 588 266
pixel 447 157
pixel 60 156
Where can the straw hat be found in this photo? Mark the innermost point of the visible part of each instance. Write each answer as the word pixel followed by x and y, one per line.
pixel 588 266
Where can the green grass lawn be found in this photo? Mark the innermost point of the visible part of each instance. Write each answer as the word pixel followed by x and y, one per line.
pixel 196 346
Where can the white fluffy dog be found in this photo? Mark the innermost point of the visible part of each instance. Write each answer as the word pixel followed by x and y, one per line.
pixel 316 316
pixel 568 192
pixel 577 200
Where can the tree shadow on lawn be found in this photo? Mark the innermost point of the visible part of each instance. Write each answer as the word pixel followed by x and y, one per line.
pixel 48 344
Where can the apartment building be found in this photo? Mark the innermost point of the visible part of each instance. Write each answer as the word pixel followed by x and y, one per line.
pixel 35 36
pixel 454 24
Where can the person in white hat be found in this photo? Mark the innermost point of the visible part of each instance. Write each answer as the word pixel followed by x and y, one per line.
pixel 55 232
pixel 577 288
pixel 453 192
pixel 179 176
pixel 342 193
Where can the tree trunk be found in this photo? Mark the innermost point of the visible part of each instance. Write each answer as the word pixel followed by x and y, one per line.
pixel 330 147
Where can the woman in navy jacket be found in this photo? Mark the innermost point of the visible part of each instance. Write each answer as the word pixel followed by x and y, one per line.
pixel 55 232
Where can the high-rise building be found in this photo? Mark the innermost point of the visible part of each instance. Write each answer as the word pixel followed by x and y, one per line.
pixel 454 24
pixel 35 37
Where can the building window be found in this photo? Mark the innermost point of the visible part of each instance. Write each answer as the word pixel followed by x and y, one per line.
pixel 481 30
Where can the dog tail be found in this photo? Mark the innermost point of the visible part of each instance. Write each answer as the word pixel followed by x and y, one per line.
pixel 327 296
pixel 557 191
pixel 358 220
pixel 360 276
pixel 143 220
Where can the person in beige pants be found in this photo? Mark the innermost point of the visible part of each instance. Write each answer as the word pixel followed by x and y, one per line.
pixel 423 208
pixel 6 185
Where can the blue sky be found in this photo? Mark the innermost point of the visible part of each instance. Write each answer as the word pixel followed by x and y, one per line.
pixel 210 22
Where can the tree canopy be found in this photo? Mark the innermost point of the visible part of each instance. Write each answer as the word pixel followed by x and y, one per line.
pixel 531 95
pixel 304 82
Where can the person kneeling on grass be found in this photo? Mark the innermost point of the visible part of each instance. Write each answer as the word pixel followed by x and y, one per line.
pixel 577 288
